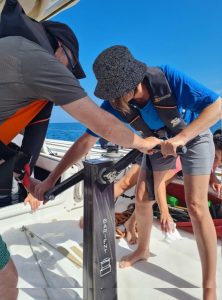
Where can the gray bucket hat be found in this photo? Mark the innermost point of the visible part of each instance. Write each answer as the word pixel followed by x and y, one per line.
pixel 117 72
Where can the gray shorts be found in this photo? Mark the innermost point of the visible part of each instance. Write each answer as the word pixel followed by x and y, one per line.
pixel 197 161
pixel 200 155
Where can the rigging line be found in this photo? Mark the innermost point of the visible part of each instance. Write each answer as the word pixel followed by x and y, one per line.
pixel 24 229
pixel 75 261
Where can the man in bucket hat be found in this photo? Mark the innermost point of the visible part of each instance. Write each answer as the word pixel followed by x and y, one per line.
pixel 31 76
pixel 122 80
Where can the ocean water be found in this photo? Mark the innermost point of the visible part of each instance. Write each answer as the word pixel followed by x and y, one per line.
pixel 65 131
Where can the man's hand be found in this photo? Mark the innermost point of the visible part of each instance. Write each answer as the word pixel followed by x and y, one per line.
pixel 41 188
pixel 149 144
pixel 32 183
pixel 169 147
pixel 33 202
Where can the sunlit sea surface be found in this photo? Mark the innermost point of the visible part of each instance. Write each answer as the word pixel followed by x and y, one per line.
pixel 65 131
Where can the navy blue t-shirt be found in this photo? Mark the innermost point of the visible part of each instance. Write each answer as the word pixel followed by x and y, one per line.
pixel 191 97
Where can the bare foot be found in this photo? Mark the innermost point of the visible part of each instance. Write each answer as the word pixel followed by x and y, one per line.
pixel 81 222
pixel 131 233
pixel 129 260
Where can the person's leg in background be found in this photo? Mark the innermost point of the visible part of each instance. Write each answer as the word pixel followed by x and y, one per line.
pixel 161 180
pixel 144 219
pixel 125 183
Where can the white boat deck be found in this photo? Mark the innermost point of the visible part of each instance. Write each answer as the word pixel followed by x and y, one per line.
pixel 172 272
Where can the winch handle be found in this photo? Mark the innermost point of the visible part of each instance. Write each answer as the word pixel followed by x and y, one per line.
pixel 180 149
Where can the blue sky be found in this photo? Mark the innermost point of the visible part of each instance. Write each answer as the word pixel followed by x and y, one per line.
pixel 184 33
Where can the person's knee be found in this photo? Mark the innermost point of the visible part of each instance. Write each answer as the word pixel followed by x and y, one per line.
pixel 196 211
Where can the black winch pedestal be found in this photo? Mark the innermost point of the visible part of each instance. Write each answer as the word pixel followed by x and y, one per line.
pixel 99 258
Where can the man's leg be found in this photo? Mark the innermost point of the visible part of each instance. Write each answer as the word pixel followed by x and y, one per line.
pixel 196 193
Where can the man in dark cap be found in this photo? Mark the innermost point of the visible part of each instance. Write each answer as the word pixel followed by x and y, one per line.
pixel 61 33
pixel 33 75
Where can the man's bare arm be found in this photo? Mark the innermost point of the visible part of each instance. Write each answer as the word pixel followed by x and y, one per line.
pixel 74 154
pixel 107 126
pixel 79 149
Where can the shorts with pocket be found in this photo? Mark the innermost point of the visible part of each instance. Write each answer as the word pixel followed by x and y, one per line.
pixel 198 160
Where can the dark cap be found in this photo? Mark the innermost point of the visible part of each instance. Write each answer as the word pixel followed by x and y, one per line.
pixel 117 72
pixel 64 33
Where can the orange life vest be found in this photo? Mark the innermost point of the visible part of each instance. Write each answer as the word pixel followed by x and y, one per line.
pixel 13 125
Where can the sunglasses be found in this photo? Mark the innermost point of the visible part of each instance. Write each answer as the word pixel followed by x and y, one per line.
pixel 71 65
